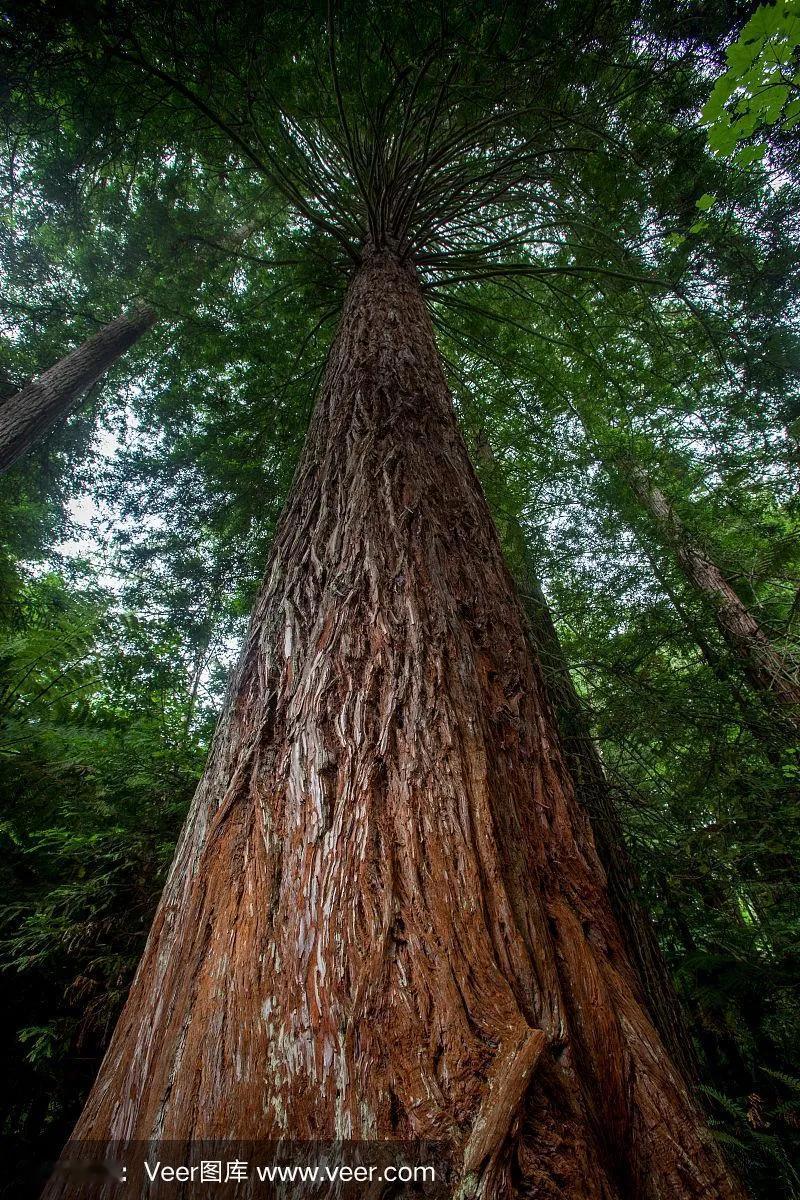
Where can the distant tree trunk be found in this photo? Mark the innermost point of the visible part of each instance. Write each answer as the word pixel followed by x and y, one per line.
pixel 754 716
pixel 28 415
pixel 386 917
pixel 770 673
pixel 593 790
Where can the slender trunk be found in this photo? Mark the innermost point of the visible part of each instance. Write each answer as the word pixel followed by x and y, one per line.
pixel 772 674
pixel 752 714
pixel 386 917
pixel 593 791
pixel 28 415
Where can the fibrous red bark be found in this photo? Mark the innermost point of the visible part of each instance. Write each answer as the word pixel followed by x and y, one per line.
pixel 386 917
pixel 31 412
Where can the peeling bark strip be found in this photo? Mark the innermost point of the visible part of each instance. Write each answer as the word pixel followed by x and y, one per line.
pixel 772 674
pixel 385 879
pixel 28 415
pixel 511 1073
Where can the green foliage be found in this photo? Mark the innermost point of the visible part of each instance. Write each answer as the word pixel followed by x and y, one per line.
pixel 760 87
pixel 101 743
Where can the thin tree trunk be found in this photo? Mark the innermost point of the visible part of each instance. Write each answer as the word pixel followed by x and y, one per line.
pixel 593 791
pixel 28 415
pixel 752 714
pixel 386 917
pixel 771 673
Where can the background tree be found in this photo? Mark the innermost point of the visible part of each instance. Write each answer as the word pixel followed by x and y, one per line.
pixel 30 413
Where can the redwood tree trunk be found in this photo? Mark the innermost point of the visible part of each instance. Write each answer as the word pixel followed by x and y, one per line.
pixel 28 415
pixel 772 674
pixel 386 917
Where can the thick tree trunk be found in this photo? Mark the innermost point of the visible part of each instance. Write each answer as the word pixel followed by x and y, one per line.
pixel 28 415
pixel 770 673
pixel 593 791
pixel 386 917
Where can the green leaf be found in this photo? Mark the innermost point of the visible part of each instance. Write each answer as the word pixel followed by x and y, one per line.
pixel 723 138
pixel 749 154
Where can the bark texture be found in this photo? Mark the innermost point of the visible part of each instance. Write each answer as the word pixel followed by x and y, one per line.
pixel 28 415
pixel 771 673
pixel 386 917
pixel 593 790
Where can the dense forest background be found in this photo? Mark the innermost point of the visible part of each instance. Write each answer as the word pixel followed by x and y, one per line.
pixel 656 339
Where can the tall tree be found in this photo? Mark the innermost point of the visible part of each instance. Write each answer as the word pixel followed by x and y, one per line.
pixel 387 748
pixel 31 412
pixel 772 674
